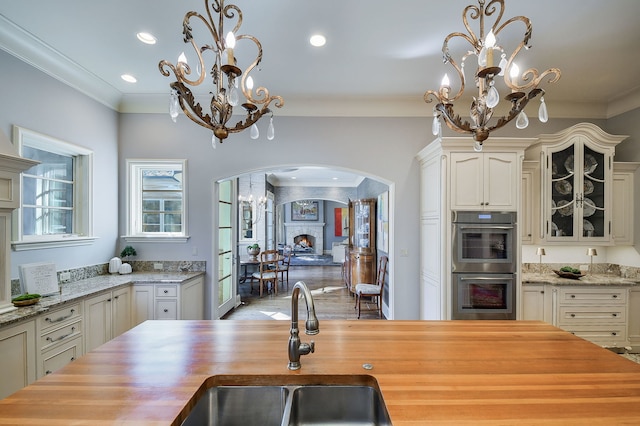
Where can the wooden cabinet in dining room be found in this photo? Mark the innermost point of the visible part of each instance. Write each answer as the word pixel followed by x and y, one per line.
pixel 362 242
pixel 484 181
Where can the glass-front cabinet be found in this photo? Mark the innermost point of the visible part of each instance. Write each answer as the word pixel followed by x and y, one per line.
pixel 363 225
pixel 577 179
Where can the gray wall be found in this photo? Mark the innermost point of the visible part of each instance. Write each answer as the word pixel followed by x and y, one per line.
pixel 38 102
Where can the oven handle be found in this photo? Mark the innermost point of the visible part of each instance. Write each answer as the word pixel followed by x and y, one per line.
pixel 480 278
pixel 484 227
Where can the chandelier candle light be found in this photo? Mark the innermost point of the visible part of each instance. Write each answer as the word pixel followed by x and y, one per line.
pixel 227 78
pixel 485 49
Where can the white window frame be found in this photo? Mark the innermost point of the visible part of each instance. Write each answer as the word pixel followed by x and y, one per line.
pixel 134 233
pixel 82 188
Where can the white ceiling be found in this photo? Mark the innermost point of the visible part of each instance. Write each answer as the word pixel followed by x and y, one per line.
pixel 380 56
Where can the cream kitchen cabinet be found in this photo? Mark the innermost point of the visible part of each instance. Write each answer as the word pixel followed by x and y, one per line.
pixel 484 181
pixel 18 357
pixel 169 301
pixel 536 303
pixel 60 334
pixel 623 198
pixel 633 328
pixel 595 313
pixel 527 218
pixel 106 316
pixel 577 178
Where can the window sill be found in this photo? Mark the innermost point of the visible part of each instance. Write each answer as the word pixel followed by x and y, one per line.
pixel 66 242
pixel 156 238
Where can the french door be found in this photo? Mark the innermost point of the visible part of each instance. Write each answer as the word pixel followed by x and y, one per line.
pixel 226 294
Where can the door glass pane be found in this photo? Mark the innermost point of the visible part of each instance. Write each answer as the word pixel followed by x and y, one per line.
pixel 593 212
pixel 563 168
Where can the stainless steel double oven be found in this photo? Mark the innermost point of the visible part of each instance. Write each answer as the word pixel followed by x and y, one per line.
pixel 484 265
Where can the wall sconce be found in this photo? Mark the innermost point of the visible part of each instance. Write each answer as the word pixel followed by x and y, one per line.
pixel 591 252
pixel 540 252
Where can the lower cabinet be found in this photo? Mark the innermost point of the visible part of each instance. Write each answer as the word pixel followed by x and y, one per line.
pixel 60 335
pixel 168 301
pixel 605 315
pixel 107 315
pixel 18 359
pixel 363 269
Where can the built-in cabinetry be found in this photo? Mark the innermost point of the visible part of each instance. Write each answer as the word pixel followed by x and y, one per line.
pixel 362 242
pixel 528 215
pixel 60 334
pixel 18 360
pixel 576 184
pixel 455 177
pixel 601 314
pixel 478 181
pixel 107 315
pixel 168 301
pixel 623 199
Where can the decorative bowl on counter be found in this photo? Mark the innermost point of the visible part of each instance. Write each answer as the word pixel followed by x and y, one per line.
pixel 570 275
pixel 26 300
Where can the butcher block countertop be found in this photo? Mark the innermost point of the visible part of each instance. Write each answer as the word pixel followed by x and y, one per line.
pixel 429 372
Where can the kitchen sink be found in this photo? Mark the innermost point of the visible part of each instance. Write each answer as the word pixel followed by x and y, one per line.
pixel 287 401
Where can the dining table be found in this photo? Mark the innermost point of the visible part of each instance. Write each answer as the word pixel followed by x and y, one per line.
pixel 247 261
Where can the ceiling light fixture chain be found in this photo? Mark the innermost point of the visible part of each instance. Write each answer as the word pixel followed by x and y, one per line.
pixel 484 47
pixel 224 73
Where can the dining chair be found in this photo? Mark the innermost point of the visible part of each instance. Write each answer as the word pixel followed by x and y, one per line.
pixel 283 267
pixel 373 290
pixel 268 270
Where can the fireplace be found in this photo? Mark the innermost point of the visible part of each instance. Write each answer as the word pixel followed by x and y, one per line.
pixel 303 243
pixel 309 235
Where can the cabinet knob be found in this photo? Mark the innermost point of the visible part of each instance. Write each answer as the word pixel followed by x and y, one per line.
pixel 166 291
pixel 615 315
pixel 573 296
pixel 48 372
pixel 109 300
pixel 73 358
pixel 614 333
pixel 573 315
pixel 166 310
pixel 615 296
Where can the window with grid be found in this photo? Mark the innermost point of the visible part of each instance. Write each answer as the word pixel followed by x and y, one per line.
pixel 156 199
pixel 55 194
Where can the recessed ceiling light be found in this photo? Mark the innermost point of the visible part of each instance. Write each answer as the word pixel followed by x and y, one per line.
pixel 335 178
pixel 146 38
pixel 293 177
pixel 128 78
pixel 317 40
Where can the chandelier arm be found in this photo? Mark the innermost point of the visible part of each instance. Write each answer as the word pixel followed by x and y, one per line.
pixel 190 107
pixel 262 93
pixel 229 12
pixel 444 93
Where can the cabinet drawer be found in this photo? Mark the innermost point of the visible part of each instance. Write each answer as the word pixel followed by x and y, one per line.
pixel 56 358
pixel 167 309
pixel 167 291
pixel 59 335
pixel 593 295
pixel 610 335
pixel 59 316
pixel 587 314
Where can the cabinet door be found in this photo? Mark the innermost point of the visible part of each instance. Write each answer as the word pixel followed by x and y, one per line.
pixel 526 211
pixel 577 187
pixel 121 311
pixel 622 210
pixel 142 305
pixel 533 303
pixel 634 317
pixel 501 182
pixel 467 185
pixel 18 349
pixel 60 356
pixel 97 320
pixel 192 299
pixel 362 226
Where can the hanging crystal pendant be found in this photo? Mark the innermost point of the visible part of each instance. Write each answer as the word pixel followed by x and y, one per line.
pixel 271 131
pixel 213 141
pixel 522 121
pixel 233 99
pixel 482 57
pixel 477 146
pixel 174 106
pixel 503 64
pixel 435 126
pixel 493 97
pixel 543 115
pixel 255 133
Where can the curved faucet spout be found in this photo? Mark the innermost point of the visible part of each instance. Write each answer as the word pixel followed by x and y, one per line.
pixel 312 326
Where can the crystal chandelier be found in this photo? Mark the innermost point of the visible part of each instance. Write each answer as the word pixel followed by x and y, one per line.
pixel 260 202
pixel 229 81
pixel 485 51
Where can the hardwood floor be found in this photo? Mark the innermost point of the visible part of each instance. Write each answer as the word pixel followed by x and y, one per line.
pixel 331 298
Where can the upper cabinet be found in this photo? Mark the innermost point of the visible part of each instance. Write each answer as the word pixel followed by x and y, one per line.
pixel 484 181
pixel 576 184
pixel 362 225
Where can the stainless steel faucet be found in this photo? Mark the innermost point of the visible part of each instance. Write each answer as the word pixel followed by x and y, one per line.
pixel 312 326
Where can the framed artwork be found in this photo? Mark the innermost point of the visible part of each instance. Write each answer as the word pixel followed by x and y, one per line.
pixel 304 211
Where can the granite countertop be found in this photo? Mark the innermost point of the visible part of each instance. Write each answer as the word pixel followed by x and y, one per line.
pixel 596 279
pixel 76 290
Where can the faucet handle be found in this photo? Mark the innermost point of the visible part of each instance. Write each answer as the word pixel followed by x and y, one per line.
pixel 312 346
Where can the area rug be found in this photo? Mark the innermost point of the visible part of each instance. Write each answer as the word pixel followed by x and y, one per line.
pixel 313 260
